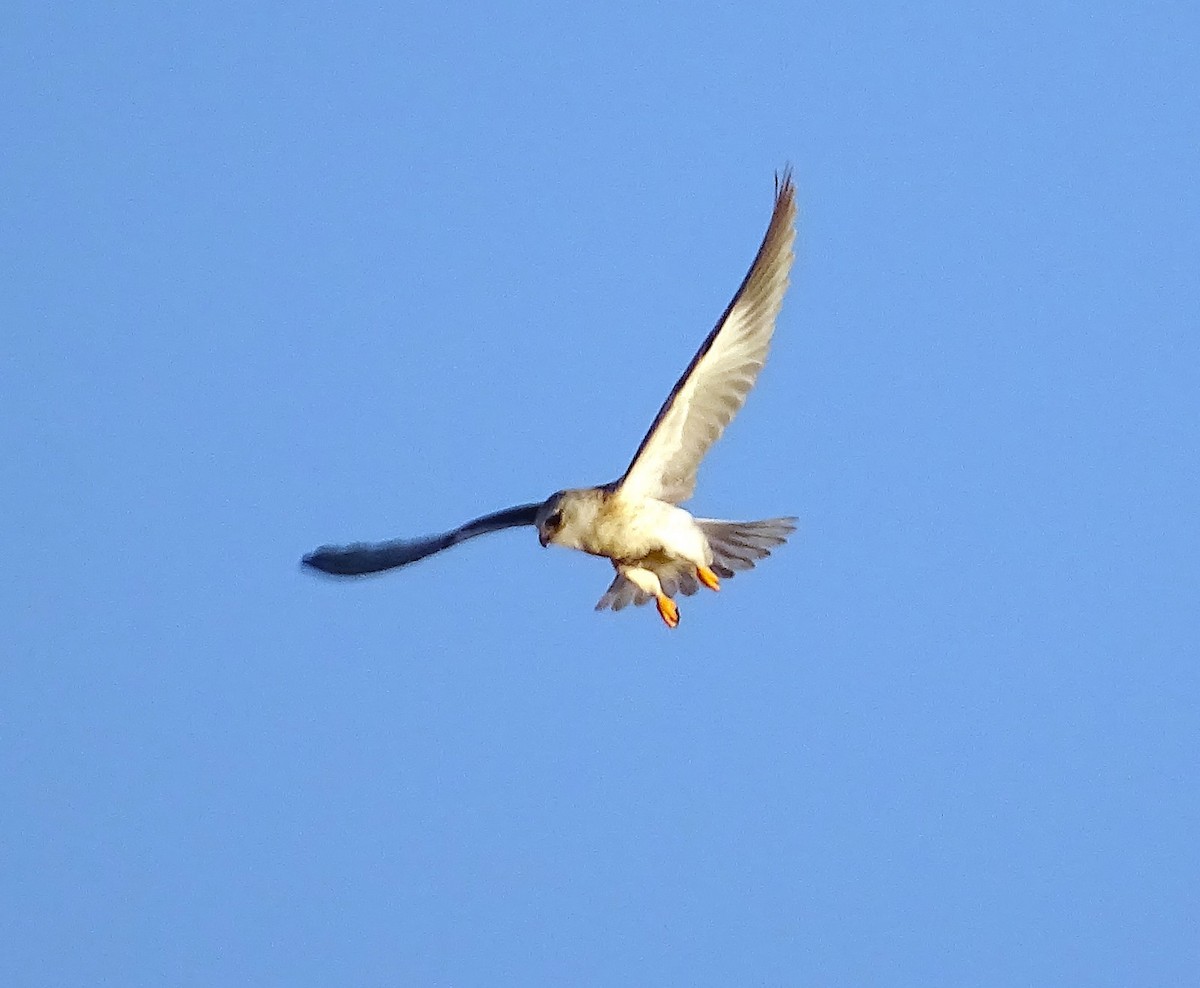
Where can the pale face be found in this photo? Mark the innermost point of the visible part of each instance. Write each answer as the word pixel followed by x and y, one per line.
pixel 568 516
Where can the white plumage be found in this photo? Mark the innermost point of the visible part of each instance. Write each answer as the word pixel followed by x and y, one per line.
pixel 657 548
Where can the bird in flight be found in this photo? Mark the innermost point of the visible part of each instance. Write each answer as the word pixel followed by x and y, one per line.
pixel 657 548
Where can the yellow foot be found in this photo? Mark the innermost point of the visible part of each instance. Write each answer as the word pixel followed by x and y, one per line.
pixel 708 578
pixel 668 611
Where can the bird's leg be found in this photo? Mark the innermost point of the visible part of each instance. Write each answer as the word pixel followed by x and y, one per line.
pixel 668 610
pixel 647 581
pixel 708 578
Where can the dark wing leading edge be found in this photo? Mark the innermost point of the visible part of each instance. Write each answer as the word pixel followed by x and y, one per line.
pixel 362 558
pixel 716 382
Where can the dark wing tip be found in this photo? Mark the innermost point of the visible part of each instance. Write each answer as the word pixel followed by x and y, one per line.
pixel 785 188
pixel 338 561
pixel 362 558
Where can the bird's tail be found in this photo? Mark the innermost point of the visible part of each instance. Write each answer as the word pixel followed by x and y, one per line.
pixel 738 545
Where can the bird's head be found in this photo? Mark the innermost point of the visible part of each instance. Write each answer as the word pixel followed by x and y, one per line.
pixel 566 517
pixel 551 517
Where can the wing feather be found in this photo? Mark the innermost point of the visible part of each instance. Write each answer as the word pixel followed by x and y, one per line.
pixel 362 558
pixel 714 387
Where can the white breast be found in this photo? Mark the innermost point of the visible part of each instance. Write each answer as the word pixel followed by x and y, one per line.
pixel 636 528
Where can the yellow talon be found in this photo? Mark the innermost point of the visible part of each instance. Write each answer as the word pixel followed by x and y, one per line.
pixel 708 578
pixel 668 611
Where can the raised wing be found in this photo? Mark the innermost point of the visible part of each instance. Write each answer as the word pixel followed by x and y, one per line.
pixel 362 558
pixel 716 382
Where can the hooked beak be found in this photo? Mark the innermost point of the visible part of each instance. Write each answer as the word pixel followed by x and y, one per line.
pixel 543 538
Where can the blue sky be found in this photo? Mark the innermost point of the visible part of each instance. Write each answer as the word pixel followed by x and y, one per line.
pixel 278 275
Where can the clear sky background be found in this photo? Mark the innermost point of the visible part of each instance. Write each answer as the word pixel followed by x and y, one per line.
pixel 276 275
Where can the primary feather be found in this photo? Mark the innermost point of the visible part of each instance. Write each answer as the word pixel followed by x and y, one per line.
pixel 715 385
pixel 362 558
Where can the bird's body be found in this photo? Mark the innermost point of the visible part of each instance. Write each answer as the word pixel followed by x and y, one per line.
pixel 657 548
pixel 628 531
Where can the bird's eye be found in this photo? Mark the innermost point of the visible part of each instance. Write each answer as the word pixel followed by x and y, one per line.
pixel 555 520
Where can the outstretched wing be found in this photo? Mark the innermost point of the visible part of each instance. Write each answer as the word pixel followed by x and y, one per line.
pixel 375 557
pixel 716 382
